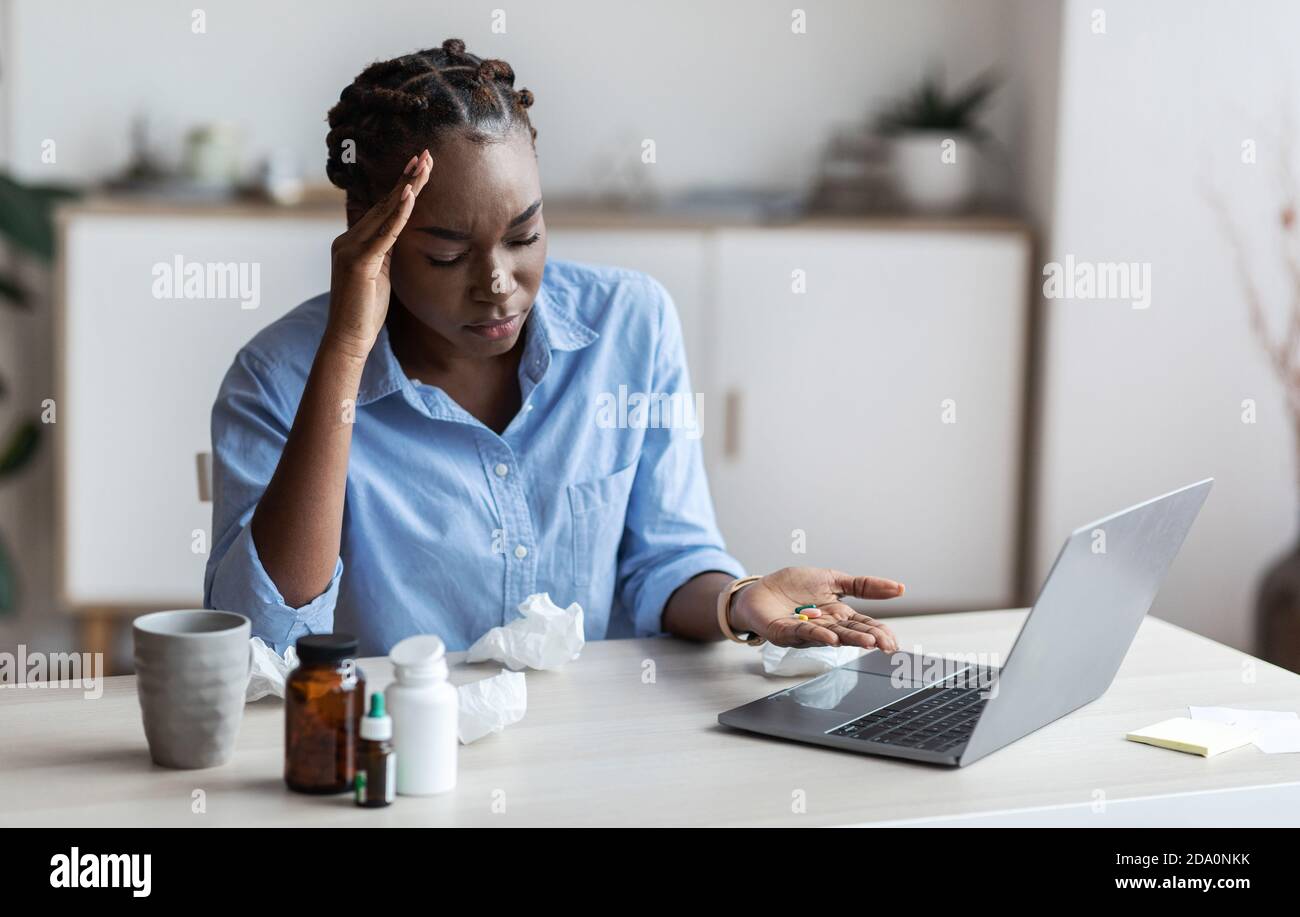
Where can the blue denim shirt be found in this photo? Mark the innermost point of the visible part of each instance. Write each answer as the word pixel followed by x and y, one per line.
pixel 595 492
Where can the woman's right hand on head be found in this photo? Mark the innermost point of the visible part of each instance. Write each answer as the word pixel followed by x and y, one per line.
pixel 359 283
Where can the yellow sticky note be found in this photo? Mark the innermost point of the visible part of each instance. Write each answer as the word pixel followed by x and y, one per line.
pixel 1196 737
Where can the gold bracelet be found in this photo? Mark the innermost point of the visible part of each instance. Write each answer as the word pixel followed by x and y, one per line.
pixel 724 605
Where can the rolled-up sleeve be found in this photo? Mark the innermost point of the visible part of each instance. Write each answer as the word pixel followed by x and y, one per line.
pixel 670 533
pixel 250 425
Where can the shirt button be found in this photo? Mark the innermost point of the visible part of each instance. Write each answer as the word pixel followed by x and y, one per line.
pixel 501 470
pixel 521 552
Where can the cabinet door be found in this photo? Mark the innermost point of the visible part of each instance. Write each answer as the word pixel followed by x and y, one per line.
pixel 139 377
pixel 874 419
pixel 673 257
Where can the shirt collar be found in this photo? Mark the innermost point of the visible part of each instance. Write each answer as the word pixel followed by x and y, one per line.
pixel 550 327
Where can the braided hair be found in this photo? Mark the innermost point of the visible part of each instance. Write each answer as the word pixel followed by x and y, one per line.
pixel 395 108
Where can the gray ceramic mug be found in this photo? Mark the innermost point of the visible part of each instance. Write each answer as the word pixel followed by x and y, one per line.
pixel 192 671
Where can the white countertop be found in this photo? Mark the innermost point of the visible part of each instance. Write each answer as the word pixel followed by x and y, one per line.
pixel 601 745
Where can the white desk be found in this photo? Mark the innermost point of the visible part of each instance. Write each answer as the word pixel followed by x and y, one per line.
pixel 599 746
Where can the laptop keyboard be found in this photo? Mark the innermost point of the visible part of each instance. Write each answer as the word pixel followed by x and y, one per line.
pixel 934 719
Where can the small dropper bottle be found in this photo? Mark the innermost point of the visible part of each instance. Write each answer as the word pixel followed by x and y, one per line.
pixel 376 761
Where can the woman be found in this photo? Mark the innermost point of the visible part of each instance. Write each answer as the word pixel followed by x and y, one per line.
pixel 428 426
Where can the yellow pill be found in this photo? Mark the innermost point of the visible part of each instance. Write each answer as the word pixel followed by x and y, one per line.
pixel 803 617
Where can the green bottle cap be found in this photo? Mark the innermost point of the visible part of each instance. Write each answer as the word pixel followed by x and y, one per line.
pixel 377 705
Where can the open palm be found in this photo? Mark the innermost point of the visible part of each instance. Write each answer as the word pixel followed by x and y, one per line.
pixel 766 608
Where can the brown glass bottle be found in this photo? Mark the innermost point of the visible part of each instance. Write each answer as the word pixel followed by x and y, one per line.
pixel 376 760
pixel 324 698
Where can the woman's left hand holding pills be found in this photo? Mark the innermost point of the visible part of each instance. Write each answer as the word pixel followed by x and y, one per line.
pixel 769 607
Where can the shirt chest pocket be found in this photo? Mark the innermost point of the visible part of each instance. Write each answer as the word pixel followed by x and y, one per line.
pixel 599 507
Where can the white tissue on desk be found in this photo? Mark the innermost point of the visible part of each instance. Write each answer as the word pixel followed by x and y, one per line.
pixel 1273 732
pixel 268 672
pixel 546 637
pixel 490 705
pixel 806 660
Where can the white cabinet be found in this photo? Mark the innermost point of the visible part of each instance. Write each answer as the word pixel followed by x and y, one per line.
pixel 138 373
pixel 833 397
pixel 879 412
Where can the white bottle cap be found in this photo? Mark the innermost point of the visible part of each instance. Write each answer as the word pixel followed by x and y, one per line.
pixel 419 658
pixel 377 725
pixel 377 728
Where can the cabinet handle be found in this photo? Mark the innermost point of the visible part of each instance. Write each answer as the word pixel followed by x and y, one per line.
pixel 731 425
pixel 203 461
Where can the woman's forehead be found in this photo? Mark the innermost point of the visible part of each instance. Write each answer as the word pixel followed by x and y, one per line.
pixel 479 186
pixel 457 157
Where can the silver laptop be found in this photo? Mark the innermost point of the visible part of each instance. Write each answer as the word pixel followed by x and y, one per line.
pixel 945 711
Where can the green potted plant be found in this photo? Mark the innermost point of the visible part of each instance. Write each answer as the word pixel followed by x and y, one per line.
pixel 935 137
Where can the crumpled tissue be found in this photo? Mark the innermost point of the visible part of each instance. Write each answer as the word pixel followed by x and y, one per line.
pixel 546 637
pixel 806 660
pixel 1272 731
pixel 269 671
pixel 490 705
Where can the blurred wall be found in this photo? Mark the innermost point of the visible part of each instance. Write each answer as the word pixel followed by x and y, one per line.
pixel 724 88
pixel 1032 62
pixel 1154 113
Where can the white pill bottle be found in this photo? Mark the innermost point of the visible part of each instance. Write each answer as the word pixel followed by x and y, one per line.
pixel 423 705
